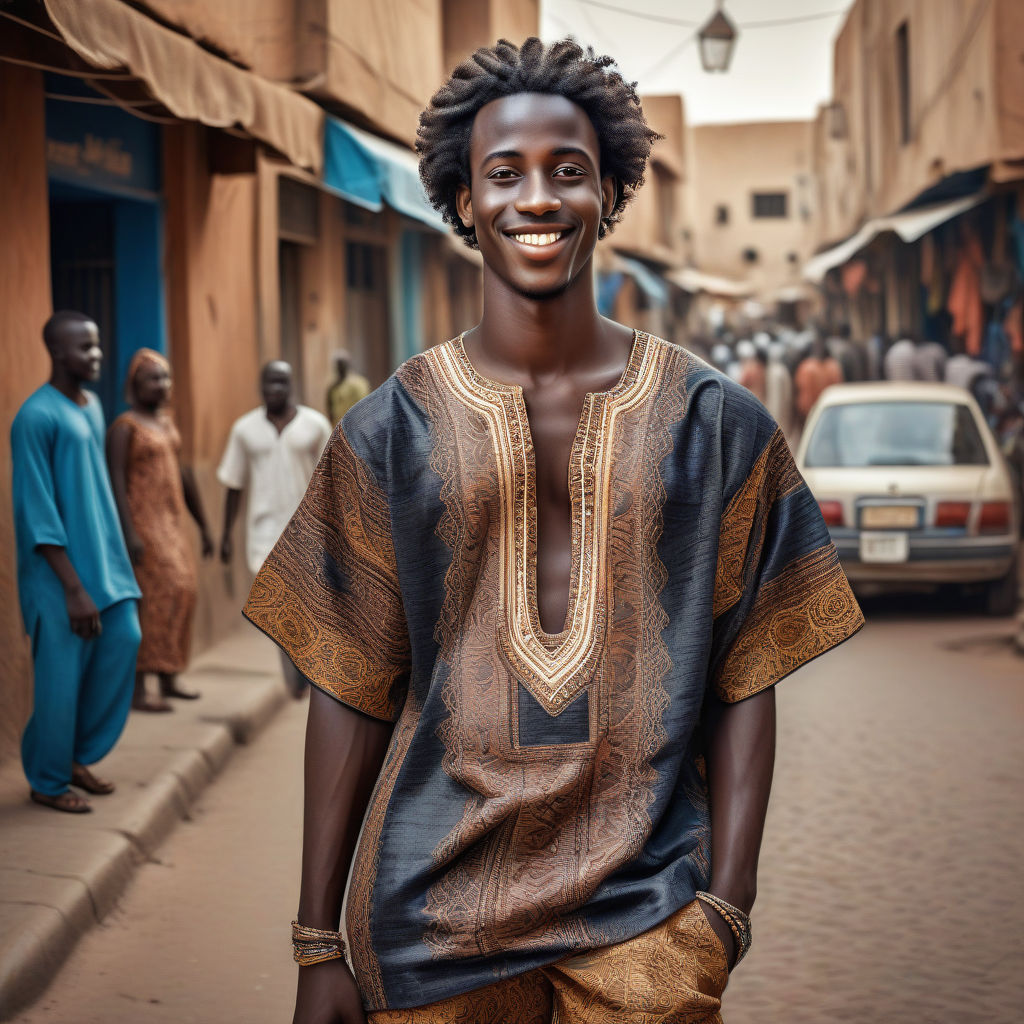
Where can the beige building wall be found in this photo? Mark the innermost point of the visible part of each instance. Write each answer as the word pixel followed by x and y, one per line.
pixel 653 225
pixel 470 24
pixel 963 109
pixel 728 166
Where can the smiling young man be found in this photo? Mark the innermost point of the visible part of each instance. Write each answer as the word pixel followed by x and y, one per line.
pixel 544 580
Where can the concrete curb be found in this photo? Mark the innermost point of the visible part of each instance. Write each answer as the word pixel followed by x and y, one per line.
pixel 45 912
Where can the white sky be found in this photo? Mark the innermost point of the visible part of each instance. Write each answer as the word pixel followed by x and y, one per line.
pixel 778 73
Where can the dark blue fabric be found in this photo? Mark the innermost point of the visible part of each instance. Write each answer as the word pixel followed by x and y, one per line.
pixel 718 437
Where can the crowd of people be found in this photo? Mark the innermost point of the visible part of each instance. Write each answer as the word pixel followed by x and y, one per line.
pixel 789 369
pixel 107 575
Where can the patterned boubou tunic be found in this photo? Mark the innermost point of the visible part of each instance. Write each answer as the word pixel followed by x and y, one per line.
pixel 543 793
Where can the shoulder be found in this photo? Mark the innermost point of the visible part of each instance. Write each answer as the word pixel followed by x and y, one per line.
pixel 247 422
pixel 314 418
pixel 382 428
pixel 37 413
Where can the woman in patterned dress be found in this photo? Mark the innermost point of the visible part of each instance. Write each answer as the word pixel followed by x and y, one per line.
pixel 153 492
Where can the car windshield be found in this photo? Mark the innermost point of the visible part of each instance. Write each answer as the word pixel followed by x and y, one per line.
pixel 896 434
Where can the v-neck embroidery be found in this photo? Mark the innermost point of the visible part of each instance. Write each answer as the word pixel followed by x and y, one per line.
pixel 554 667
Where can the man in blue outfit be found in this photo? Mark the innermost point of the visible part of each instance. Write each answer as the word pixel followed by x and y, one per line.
pixel 75 581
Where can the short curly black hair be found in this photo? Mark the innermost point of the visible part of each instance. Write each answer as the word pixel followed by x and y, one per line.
pixel 563 68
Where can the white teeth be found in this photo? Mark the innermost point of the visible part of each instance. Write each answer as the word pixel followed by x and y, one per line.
pixel 531 239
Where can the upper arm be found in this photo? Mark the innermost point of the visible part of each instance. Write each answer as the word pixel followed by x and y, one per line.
pixel 36 509
pixel 781 596
pixel 233 471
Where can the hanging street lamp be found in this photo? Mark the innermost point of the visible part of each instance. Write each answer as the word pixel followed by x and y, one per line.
pixel 717 39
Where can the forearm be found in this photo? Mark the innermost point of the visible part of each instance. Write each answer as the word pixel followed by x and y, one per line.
pixel 344 754
pixel 57 559
pixel 740 762
pixel 193 501
pixel 231 503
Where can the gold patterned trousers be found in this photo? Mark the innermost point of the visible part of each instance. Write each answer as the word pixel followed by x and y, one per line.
pixel 673 974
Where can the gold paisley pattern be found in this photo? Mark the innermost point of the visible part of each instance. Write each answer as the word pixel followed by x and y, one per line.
pixel 675 973
pixel 543 826
pixel 806 610
pixel 745 519
pixel 328 592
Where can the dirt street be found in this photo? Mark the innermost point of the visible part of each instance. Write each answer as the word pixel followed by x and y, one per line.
pixel 890 878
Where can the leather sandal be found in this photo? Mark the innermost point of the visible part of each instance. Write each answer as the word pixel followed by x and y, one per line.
pixel 70 803
pixel 84 779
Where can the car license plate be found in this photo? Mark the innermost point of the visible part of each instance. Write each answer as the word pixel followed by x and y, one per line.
pixel 888 517
pixel 884 547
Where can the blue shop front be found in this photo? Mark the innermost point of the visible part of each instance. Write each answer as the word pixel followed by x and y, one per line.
pixel 106 224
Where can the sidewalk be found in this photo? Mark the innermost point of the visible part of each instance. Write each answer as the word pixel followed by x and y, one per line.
pixel 60 874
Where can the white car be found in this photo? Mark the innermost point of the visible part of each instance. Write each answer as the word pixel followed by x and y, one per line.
pixel 913 487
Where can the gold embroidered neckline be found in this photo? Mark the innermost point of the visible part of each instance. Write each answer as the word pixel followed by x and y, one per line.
pixel 554 667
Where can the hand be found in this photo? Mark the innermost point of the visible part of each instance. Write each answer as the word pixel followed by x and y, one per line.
pixel 327 994
pixel 83 614
pixel 206 542
pixel 226 549
pixel 723 931
pixel 136 549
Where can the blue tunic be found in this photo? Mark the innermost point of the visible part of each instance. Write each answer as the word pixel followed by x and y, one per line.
pixel 62 496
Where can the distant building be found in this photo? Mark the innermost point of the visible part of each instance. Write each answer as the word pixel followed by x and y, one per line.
pixel 752 205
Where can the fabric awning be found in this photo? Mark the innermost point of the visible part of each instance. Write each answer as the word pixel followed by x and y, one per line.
pixel 690 279
pixel 909 225
pixel 370 171
pixel 646 279
pixel 189 82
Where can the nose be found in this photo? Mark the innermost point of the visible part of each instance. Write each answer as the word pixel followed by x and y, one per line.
pixel 537 196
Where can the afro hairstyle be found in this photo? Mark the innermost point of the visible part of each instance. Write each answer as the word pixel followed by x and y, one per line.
pixel 562 68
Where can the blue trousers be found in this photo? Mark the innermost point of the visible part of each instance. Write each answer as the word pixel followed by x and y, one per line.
pixel 83 693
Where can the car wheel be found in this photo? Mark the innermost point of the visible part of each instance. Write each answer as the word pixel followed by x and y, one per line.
pixel 1001 594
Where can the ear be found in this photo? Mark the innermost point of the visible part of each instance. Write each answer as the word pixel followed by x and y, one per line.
pixel 464 205
pixel 609 193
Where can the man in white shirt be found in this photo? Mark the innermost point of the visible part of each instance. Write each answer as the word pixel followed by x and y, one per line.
pixel 271 451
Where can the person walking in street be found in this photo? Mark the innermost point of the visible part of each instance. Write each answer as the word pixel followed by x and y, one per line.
pixel 900 359
pixel 75 583
pixel 544 580
pixel 348 388
pixel 271 453
pixel 153 491
pixel 778 385
pixel 815 372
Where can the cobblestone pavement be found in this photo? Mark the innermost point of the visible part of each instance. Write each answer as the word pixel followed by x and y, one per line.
pixel 891 883
pixel 891 886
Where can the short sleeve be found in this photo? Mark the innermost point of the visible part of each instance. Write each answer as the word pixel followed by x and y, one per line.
pixel 233 470
pixel 781 596
pixel 329 594
pixel 36 514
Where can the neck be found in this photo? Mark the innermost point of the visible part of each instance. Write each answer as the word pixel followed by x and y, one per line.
pixel 524 337
pixel 67 385
pixel 281 412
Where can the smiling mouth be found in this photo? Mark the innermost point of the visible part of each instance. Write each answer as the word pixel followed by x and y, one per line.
pixel 538 239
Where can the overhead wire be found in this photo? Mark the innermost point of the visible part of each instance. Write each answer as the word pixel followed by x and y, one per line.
pixel 663 19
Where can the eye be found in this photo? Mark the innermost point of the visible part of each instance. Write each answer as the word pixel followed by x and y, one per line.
pixel 570 171
pixel 501 173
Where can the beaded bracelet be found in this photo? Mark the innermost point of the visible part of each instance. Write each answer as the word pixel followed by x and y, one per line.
pixel 738 922
pixel 315 945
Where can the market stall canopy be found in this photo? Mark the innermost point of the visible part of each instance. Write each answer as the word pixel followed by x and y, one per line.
pixel 150 69
pixel 690 279
pixel 370 171
pixel 909 225
pixel 650 283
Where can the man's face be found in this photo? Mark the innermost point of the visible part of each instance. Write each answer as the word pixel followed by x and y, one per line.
pixel 78 350
pixel 276 385
pixel 536 195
